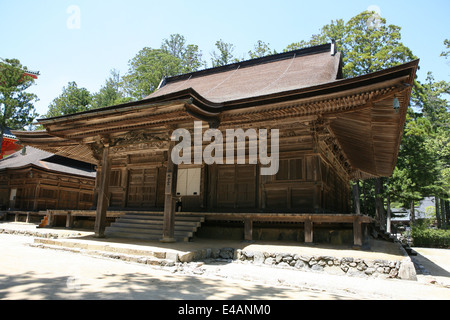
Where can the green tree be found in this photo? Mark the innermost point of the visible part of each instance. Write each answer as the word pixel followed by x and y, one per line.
pixel 146 70
pixel 189 54
pixel 446 54
pixel 225 54
pixel 111 93
pixel 261 49
pixel 416 171
pixel 366 42
pixel 71 100
pixel 16 105
pixel 431 100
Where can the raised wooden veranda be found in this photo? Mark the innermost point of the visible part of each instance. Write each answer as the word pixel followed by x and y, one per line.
pixel 357 221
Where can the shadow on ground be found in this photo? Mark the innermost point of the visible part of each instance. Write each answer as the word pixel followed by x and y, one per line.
pixel 141 286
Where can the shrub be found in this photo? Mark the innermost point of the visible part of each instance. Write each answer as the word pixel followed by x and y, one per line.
pixel 427 237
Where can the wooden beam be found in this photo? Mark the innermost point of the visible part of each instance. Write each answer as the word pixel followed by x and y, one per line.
pixel 169 203
pixel 102 201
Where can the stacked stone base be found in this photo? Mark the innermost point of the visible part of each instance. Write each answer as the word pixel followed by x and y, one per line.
pixel 403 269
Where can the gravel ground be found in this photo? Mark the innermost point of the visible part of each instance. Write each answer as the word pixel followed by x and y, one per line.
pixel 28 272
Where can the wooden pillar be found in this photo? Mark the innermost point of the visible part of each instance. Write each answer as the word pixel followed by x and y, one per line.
pixel 379 203
pixel 356 202
pixel 212 186
pixel 357 232
pixel 388 209
pixel 36 197
pixel 248 229
pixel 102 201
pixel 69 220
pixel 124 185
pixel 96 186
pixel 169 201
pixel 309 231
pixel 51 219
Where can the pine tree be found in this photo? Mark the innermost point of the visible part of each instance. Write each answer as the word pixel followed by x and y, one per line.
pixel 16 105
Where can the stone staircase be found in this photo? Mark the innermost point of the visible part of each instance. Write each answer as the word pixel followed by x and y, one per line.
pixel 148 226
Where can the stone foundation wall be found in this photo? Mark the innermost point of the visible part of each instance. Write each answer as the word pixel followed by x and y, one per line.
pixel 400 269
pixel 403 269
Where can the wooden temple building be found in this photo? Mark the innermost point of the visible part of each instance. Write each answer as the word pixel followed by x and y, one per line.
pixel 33 180
pixel 331 131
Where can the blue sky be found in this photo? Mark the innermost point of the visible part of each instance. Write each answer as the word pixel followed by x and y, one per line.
pixel 44 34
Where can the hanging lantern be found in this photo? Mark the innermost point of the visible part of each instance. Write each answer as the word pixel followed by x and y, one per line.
pixel 396 105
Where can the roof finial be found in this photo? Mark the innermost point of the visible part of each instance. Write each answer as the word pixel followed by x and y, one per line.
pixel 333 47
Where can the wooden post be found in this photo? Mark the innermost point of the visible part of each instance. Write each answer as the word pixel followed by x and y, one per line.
pixel 379 204
pixel 69 220
pixel 36 197
pixel 102 201
pixel 356 202
pixel 96 186
pixel 308 231
pixel 388 209
pixel 51 219
pixel 248 229
pixel 357 232
pixel 169 203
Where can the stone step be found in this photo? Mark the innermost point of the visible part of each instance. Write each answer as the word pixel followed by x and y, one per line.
pixel 155 216
pixel 129 257
pixel 143 226
pixel 157 235
pixel 149 225
pixel 158 222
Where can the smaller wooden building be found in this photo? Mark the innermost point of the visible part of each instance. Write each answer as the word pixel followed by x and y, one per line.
pixel 33 180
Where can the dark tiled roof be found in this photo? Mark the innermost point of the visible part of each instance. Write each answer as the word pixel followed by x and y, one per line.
pixel 47 160
pixel 277 73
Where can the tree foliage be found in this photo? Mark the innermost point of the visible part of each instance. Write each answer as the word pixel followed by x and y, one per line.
pixel 147 69
pixel 261 49
pixel 72 99
pixel 16 105
pixel 189 54
pixel 17 109
pixel 111 93
pixel 446 54
pixel 150 66
pixel 366 42
pixel 224 56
